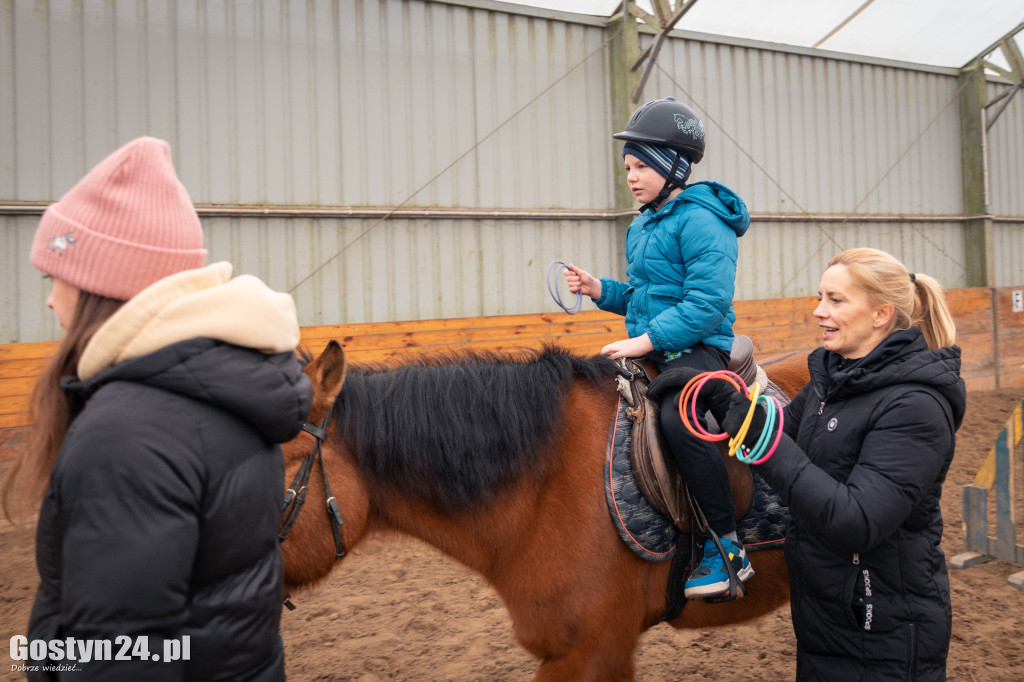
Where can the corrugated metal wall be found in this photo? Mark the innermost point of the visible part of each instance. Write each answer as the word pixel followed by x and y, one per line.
pixel 1006 187
pixel 341 270
pixel 293 102
pixel 412 269
pixel 834 144
pixel 1006 162
pixel 359 103
pixel 319 110
pixel 784 259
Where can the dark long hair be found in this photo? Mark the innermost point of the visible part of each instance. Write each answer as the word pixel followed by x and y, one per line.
pixel 52 410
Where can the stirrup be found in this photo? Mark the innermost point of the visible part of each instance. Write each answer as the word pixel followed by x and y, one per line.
pixel 736 587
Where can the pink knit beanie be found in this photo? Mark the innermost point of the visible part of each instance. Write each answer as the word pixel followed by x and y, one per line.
pixel 128 223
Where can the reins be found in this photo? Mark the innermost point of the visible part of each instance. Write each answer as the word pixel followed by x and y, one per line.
pixel 295 495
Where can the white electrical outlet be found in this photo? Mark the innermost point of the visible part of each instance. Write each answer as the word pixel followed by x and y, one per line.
pixel 1018 301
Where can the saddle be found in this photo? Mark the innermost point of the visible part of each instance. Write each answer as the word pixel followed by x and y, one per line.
pixel 656 474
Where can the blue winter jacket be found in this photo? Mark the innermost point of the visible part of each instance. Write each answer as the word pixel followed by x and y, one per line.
pixel 681 265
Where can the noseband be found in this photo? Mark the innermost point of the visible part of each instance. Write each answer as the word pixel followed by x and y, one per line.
pixel 300 484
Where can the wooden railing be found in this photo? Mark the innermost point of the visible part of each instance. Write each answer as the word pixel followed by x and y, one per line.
pixel 991 335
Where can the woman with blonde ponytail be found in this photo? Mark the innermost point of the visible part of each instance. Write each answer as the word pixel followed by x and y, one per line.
pixel 861 463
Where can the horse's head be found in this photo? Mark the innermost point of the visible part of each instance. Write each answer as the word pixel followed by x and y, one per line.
pixel 309 550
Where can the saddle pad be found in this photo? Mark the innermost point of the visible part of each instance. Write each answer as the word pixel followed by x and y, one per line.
pixel 647 532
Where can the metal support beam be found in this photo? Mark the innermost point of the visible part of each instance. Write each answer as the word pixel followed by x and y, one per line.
pixel 979 256
pixel 975 122
pixel 1005 98
pixel 994 46
pixel 843 23
pixel 667 19
pixel 1015 74
pixel 624 47
pixel 1011 51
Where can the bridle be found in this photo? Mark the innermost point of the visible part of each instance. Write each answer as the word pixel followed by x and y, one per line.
pixel 295 496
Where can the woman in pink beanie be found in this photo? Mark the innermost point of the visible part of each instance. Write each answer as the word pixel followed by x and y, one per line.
pixel 154 445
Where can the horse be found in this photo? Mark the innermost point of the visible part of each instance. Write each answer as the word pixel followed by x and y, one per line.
pixel 496 460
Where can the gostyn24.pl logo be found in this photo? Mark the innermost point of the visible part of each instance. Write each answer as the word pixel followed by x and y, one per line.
pixel 70 651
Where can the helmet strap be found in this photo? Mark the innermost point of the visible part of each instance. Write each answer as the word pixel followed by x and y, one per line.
pixel 666 190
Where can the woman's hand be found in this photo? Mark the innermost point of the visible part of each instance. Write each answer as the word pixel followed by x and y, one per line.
pixel 736 414
pixel 582 281
pixel 629 348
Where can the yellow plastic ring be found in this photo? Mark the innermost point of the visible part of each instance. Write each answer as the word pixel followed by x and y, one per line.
pixel 737 440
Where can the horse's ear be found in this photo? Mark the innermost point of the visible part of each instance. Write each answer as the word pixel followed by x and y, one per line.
pixel 329 370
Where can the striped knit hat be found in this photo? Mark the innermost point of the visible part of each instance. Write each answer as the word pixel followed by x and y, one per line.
pixel 661 160
pixel 128 223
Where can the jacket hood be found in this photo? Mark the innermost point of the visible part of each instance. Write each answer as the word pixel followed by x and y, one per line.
pixel 721 201
pixel 903 357
pixel 200 334
pixel 270 392
pixel 202 303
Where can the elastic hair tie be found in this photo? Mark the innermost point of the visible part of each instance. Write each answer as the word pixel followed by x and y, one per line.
pixel 913 278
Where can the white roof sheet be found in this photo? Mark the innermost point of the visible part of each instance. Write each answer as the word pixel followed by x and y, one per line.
pixel 946 33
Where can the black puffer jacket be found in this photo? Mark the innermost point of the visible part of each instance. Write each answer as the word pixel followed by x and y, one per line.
pixel 171 464
pixel 873 441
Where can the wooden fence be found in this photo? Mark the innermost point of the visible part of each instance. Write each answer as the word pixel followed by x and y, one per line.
pixel 1000 472
pixel 991 335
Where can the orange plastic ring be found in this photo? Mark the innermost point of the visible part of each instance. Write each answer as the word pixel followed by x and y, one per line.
pixel 690 392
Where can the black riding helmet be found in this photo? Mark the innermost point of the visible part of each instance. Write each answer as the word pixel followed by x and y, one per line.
pixel 667 123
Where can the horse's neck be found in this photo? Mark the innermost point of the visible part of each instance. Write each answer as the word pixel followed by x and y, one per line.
pixel 458 535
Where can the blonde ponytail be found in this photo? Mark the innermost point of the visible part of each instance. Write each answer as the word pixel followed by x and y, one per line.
pixel 931 313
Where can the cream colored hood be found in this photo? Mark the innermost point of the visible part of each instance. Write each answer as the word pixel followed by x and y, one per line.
pixel 203 303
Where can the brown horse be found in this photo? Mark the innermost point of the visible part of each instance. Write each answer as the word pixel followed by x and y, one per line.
pixel 497 461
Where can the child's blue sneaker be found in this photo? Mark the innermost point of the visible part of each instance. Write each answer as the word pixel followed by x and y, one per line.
pixel 710 577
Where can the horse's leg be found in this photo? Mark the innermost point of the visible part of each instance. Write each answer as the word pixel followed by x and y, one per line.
pixel 580 665
pixel 621 601
pixel 580 609
pixel 593 642
pixel 579 598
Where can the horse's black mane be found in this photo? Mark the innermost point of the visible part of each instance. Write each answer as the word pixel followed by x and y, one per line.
pixel 452 430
